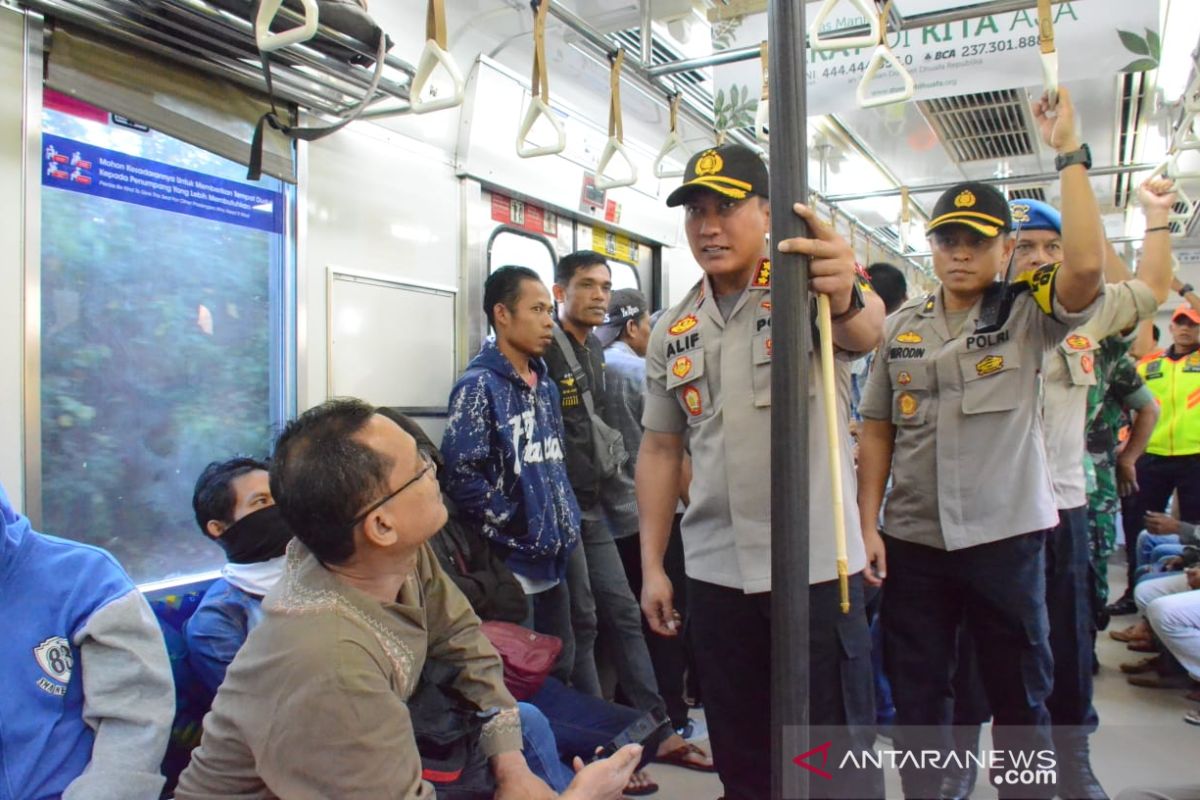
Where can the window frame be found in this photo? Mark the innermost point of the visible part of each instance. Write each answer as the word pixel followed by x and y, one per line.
pixel 287 346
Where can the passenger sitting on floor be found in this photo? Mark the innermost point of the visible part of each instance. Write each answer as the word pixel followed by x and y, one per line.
pixel 233 506
pixel 1172 609
pixel 315 703
pixel 1164 537
pixel 580 722
pixel 88 695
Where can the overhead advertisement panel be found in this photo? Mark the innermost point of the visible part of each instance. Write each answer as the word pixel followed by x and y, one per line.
pixel 986 53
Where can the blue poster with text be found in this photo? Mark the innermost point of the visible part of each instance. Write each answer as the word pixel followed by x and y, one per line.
pixel 81 167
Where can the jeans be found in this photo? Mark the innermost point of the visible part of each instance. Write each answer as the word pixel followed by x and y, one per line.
pixel 582 722
pixel 1148 542
pixel 550 613
pixel 619 616
pixel 584 676
pixel 540 749
pixel 668 654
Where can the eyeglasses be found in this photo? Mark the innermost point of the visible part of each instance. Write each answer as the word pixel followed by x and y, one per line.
pixel 428 464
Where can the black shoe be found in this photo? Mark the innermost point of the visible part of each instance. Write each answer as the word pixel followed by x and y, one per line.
pixel 958 783
pixel 1076 781
pixel 1122 607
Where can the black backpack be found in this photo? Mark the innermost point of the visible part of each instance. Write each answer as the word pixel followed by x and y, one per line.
pixel 447 731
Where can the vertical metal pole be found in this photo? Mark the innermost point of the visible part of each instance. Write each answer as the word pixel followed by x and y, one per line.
pixel 792 343
pixel 647 35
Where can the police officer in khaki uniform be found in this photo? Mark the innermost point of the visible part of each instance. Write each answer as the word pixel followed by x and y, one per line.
pixel 708 378
pixel 952 412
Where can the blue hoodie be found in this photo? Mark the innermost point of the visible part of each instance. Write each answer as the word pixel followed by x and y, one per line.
pixel 84 671
pixel 505 470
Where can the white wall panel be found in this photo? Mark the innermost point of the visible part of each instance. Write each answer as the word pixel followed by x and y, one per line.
pixel 376 202
pixel 11 265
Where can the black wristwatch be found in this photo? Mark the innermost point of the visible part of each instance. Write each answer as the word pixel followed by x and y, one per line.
pixel 1081 156
pixel 857 303
pixel 1187 287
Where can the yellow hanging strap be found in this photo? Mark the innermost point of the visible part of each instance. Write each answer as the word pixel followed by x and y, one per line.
pixel 541 76
pixel 1045 27
pixel 615 128
pixel 854 239
pixel 675 100
pixel 435 23
pixel 720 137
pixel 762 57
pixel 1049 54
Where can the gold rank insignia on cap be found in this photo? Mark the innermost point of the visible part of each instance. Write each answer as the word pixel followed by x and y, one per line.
pixel 1020 212
pixel 682 367
pixel 683 325
pixel 989 364
pixel 763 276
pixel 691 399
pixel 710 163
pixel 1077 342
pixel 909 337
pixel 908 404
pixel 965 199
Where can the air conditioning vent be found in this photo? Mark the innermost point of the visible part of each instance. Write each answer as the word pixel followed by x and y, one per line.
pixel 1028 193
pixel 981 127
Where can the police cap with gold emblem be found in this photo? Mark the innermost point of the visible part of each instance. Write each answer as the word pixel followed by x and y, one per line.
pixel 732 170
pixel 978 206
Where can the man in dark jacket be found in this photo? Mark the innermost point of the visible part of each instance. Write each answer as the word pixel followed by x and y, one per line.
pixel 503 448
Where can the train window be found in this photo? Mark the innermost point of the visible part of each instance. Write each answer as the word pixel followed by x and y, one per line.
pixel 163 334
pixel 510 246
pixel 624 276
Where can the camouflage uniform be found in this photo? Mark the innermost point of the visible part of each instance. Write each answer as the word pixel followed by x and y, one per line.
pixel 1116 380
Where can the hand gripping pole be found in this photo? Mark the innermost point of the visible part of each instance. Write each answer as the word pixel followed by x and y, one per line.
pixel 435 53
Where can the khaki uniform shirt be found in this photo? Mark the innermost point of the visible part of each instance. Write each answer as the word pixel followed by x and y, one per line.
pixel 1070 370
pixel 710 378
pixel 313 705
pixel 969 463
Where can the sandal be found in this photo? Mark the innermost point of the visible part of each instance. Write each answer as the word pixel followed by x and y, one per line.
pixel 646 786
pixel 1130 634
pixel 1192 717
pixel 685 757
pixel 1142 646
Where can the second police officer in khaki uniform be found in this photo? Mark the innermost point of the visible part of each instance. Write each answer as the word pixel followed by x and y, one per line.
pixel 708 378
pixel 952 411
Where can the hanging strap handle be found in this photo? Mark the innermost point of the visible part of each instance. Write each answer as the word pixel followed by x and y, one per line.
pixel 435 53
pixel 539 102
pixel 869 39
pixel 671 143
pixel 884 55
pixel 265 15
pixel 616 132
pixel 905 218
pixel 1048 53
pixel 312 133
pixel 762 115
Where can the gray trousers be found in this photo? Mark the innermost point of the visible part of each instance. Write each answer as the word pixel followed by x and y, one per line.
pixel 600 593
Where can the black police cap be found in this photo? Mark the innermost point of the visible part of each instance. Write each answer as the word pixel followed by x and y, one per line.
pixel 732 170
pixel 979 206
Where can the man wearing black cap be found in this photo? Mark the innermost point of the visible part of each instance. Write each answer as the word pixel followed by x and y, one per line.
pixel 952 412
pixel 708 377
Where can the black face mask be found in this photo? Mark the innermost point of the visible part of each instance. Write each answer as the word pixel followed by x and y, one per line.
pixel 256 537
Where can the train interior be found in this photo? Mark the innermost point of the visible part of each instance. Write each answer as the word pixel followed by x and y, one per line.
pixel 161 310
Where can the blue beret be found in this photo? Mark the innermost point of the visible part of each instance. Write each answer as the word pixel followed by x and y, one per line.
pixel 1034 215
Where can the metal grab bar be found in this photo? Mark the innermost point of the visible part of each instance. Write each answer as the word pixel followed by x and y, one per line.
pixel 268 40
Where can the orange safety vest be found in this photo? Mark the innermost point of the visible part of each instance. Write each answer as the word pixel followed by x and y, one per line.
pixel 1176 385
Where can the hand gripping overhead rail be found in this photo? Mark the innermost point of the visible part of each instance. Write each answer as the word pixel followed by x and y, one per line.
pixel 616 134
pixel 539 102
pixel 435 53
